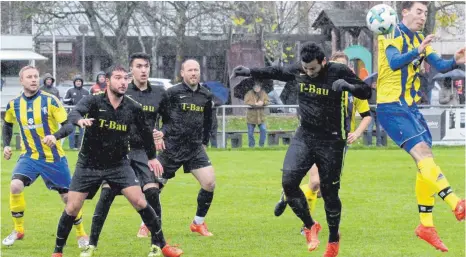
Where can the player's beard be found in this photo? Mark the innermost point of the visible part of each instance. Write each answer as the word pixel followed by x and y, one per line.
pixel 116 93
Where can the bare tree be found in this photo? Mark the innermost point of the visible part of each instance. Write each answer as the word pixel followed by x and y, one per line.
pixel 284 17
pixel 176 15
pixel 114 17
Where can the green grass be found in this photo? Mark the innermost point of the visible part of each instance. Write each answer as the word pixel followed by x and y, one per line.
pixel 379 211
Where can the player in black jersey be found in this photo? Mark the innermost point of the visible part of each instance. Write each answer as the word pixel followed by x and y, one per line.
pixel 149 98
pixel 187 121
pixel 103 156
pixel 321 137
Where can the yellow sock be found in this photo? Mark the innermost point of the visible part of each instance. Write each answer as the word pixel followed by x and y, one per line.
pixel 78 224
pixel 434 176
pixel 425 200
pixel 17 207
pixel 311 197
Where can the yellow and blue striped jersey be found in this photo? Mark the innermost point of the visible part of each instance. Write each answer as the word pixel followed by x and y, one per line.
pixel 400 84
pixel 37 116
pixel 354 105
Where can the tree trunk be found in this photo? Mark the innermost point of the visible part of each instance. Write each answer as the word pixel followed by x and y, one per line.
pixel 180 42
pixel 430 21
pixel 154 48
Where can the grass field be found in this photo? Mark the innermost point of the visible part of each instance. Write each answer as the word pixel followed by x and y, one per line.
pixel 379 211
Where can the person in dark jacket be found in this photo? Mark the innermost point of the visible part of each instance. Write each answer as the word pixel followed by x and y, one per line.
pixel 72 97
pixel 48 87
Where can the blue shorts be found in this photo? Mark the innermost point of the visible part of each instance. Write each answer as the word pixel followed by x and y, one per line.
pixel 56 175
pixel 404 124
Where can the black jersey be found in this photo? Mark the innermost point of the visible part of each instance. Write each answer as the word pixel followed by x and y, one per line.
pixel 150 99
pixel 106 142
pixel 321 110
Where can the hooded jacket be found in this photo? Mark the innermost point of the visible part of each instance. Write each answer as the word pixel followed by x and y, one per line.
pixel 96 88
pixel 75 94
pixel 49 89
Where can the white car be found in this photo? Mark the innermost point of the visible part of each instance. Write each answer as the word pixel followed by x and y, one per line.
pixel 166 83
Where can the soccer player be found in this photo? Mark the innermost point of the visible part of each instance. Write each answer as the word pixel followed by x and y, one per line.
pixel 149 97
pixel 187 120
pixel 38 115
pixel 103 156
pixel 397 93
pixel 311 189
pixel 321 137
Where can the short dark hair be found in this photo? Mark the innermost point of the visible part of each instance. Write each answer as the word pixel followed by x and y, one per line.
pixel 408 4
pixel 138 55
pixel 310 51
pixel 111 69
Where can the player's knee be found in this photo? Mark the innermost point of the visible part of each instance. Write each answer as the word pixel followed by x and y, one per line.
pixel 290 186
pixel 209 186
pixel 315 185
pixel 16 186
pixel 72 208
pixel 151 192
pixel 139 203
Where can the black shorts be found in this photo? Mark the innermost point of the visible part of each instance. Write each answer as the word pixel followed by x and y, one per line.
pixel 170 166
pixel 139 163
pixel 305 151
pixel 88 179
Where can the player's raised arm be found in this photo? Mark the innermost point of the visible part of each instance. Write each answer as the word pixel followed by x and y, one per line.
pixel 272 72
pixel 144 128
pixel 352 83
pixel 445 65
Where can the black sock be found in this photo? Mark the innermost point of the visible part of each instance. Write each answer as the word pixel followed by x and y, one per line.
pixel 153 223
pixel 153 199
pixel 300 207
pixel 333 213
pixel 63 231
pixel 204 199
pixel 100 214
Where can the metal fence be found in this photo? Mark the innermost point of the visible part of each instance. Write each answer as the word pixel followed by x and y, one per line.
pixel 224 115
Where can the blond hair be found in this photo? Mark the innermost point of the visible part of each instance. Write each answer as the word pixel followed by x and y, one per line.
pixel 25 68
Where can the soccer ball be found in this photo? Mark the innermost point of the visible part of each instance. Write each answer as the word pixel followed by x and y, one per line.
pixel 381 19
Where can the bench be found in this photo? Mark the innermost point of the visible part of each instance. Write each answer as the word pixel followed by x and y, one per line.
pixel 273 137
pixel 374 134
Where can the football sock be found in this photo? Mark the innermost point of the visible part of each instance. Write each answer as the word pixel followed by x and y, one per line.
pixel 434 176
pixel 100 214
pixel 153 223
pixel 78 224
pixel 311 197
pixel 204 200
pixel 425 200
pixel 301 209
pixel 198 220
pixel 153 199
pixel 17 207
pixel 63 231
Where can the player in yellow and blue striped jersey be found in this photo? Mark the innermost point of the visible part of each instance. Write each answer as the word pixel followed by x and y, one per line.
pixel 398 85
pixel 38 115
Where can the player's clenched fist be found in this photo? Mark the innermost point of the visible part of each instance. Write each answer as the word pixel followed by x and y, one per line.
pixel 7 152
pixel 49 140
pixel 241 71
